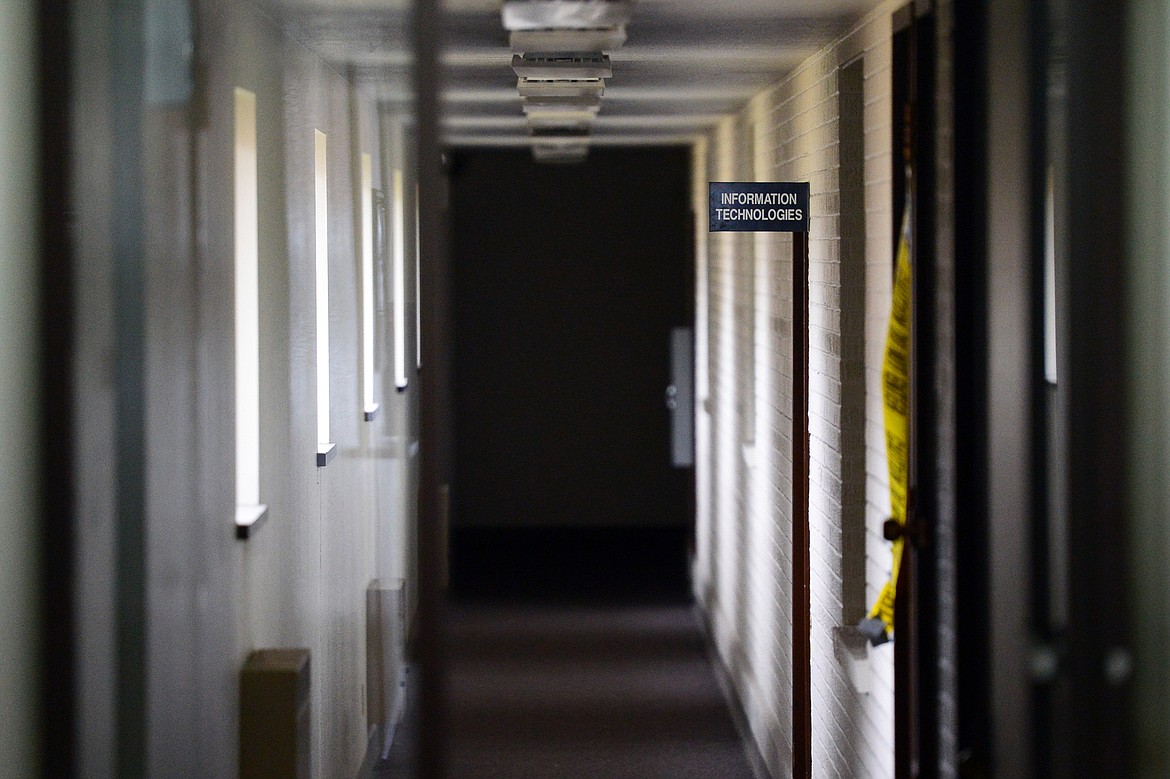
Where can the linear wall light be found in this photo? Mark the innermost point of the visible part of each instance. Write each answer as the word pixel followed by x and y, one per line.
pixel 325 447
pixel 417 286
pixel 250 512
pixel 370 407
pixel 399 221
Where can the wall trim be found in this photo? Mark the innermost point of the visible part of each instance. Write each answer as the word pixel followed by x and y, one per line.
pixel 726 683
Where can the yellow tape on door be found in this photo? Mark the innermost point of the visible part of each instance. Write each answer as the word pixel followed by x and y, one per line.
pixel 896 402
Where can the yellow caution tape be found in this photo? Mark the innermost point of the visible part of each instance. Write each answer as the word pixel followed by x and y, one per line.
pixel 896 400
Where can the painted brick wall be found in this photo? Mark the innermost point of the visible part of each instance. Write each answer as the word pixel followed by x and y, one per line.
pixel 743 568
pixel 301 580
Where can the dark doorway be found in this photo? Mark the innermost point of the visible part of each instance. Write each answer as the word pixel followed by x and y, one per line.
pixel 567 281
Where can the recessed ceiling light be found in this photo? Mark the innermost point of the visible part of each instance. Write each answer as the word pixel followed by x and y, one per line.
pixel 560 154
pixel 561 137
pixel 605 39
pixel 559 102
pixel 564 14
pixel 580 122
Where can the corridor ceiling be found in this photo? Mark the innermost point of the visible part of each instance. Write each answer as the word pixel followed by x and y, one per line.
pixel 685 65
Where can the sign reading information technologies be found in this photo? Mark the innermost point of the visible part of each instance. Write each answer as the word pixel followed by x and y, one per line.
pixel 753 206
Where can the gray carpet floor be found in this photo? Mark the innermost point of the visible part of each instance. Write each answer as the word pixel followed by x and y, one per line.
pixel 576 655
pixel 586 692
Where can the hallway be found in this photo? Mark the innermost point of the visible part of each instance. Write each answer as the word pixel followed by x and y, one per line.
pixel 652 389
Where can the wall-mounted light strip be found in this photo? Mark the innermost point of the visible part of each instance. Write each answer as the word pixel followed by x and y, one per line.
pixel 325 447
pixel 399 283
pixel 417 285
pixel 370 407
pixel 249 511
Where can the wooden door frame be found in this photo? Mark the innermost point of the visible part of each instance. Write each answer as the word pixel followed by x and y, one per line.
pixel 916 614
pixel 801 601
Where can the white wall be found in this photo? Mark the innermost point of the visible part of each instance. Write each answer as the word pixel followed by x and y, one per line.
pixel 301 580
pixel 1147 315
pixel 743 569
pixel 19 623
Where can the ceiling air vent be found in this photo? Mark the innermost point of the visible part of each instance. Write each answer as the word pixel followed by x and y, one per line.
pixel 565 14
pixel 554 67
pixel 566 88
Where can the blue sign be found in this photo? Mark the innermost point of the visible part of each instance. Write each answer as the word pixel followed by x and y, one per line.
pixel 759 207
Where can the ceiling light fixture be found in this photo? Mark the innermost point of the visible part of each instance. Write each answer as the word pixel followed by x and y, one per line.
pixel 564 88
pixel 565 14
pixel 577 122
pixel 559 102
pixel 560 154
pixel 559 57
pixel 599 39
pixel 558 66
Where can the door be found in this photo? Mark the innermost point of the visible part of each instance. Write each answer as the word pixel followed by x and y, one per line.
pixel 568 282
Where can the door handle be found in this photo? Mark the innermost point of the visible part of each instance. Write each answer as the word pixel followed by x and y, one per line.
pixel 672 397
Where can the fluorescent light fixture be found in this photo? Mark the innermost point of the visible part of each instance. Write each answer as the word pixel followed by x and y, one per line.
pixel 417 285
pixel 555 67
pixel 579 122
pixel 600 39
pixel 537 103
pixel 247 251
pixel 567 88
pixel 321 201
pixel 370 408
pixel 560 116
pixel 399 221
pixel 564 14
pixel 560 138
pixel 562 153
pixel 1050 335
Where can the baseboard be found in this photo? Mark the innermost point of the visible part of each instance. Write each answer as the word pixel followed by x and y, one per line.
pixel 738 716
pixel 373 753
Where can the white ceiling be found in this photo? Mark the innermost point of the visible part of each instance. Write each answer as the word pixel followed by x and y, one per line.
pixel 686 63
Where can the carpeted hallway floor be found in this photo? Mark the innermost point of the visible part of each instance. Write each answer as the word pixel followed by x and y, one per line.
pixel 568 661
pixel 586 692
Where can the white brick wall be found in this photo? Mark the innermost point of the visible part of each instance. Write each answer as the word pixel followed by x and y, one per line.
pixel 743 569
